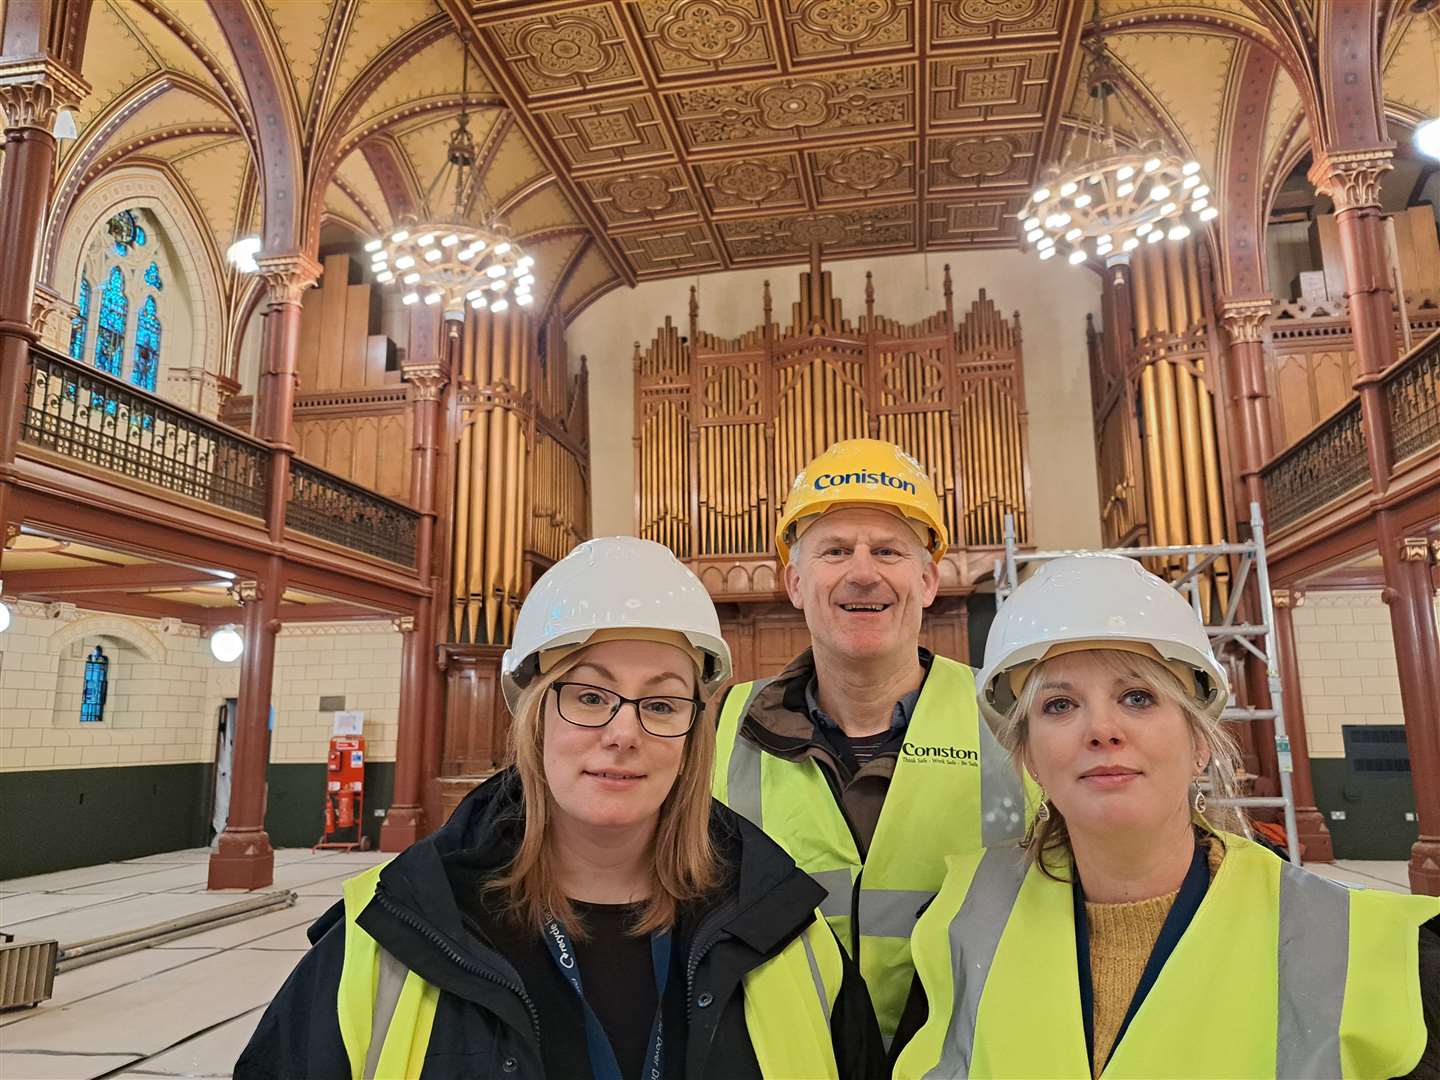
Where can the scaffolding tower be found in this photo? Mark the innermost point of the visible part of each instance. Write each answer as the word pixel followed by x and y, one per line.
pixel 1258 639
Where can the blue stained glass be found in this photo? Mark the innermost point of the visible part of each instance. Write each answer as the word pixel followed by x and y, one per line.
pixel 147 346
pixel 81 321
pixel 114 312
pixel 96 687
pixel 139 236
pixel 152 276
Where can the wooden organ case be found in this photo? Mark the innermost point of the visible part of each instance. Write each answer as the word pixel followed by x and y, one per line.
pixel 723 427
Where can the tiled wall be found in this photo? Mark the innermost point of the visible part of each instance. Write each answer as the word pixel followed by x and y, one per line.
pixel 166 689
pixel 1347 666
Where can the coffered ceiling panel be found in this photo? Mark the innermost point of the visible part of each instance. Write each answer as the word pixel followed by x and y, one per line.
pixel 704 134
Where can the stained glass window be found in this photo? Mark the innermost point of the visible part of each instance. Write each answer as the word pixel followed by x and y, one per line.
pixel 147 346
pixel 125 232
pixel 96 688
pixel 114 312
pixel 152 276
pixel 81 321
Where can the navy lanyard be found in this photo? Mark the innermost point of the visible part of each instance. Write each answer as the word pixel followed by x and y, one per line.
pixel 1187 902
pixel 603 1063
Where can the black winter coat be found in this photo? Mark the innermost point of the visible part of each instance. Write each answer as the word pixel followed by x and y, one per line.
pixel 486 1025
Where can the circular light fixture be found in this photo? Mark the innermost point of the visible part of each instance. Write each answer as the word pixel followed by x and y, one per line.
pixel 4 616
pixel 1427 138
pixel 226 644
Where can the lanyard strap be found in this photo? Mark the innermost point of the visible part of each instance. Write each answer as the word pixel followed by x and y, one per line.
pixel 1187 902
pixel 603 1063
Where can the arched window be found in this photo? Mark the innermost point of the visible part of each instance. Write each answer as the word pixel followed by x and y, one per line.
pixel 96 688
pixel 114 313
pixel 152 277
pixel 147 345
pixel 81 321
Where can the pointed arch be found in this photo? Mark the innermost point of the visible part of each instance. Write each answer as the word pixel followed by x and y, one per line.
pixel 110 330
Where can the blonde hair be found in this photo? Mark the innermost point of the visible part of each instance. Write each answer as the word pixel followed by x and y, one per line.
pixel 685 865
pixel 1045 839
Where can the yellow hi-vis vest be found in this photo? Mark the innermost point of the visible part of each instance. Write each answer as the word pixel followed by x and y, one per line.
pixel 953 790
pixel 1281 973
pixel 387 1011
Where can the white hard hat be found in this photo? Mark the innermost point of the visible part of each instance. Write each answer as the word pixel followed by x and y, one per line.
pixel 620 584
pixel 1100 601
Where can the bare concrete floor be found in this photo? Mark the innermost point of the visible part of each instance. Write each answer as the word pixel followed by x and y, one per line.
pixel 188 1007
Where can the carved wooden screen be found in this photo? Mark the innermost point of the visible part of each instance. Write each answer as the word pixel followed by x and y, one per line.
pixel 723 426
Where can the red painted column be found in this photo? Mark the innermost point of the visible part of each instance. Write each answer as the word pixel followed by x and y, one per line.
pixel 243 858
pixel 1244 322
pixel 1309 822
pixel 1352 179
pixel 406 821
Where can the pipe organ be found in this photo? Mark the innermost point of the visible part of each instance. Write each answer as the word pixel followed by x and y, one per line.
pixel 724 425
pixel 522 491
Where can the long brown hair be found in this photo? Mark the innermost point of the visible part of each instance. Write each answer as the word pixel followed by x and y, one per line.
pixel 685 865
pixel 1048 842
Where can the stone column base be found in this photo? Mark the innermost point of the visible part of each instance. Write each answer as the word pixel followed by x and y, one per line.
pixel 1314 835
pixel 403 825
pixel 1425 866
pixel 243 860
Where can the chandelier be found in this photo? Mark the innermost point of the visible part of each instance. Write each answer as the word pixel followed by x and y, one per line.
pixel 462 254
pixel 1103 199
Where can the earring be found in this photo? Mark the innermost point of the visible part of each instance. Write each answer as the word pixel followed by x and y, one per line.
pixel 1043 812
pixel 1198 802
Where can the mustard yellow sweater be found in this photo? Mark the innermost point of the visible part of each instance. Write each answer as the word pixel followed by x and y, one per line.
pixel 1121 939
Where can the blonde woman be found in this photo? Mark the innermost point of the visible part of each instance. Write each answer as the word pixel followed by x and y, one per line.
pixel 1139 932
pixel 588 912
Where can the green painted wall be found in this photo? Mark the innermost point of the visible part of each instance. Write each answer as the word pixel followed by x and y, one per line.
pixel 55 819
pixel 1374 807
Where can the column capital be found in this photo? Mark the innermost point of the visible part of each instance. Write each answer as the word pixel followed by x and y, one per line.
pixel 1287 598
pixel 288 275
pixel 404 624
pixel 1416 549
pixel 1245 319
pixel 1352 177
pixel 246 592
pixel 425 381
pixel 34 89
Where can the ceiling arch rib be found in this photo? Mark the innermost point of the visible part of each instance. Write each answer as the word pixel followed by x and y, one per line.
pixel 278 138
pixel 397 181
pixel 1243 270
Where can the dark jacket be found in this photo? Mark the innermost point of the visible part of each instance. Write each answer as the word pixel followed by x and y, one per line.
pixel 487 1025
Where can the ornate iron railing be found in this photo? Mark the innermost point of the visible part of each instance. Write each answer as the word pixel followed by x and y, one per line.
pixel 1326 464
pixel 1412 397
pixel 322 504
pixel 85 414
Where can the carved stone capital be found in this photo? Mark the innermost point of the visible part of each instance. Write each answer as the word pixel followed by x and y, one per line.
pixel 1352 177
pixel 245 592
pixel 288 275
pixel 1415 549
pixel 44 302
pixel 33 90
pixel 12 533
pixel 405 624
pixel 1244 320
pixel 424 382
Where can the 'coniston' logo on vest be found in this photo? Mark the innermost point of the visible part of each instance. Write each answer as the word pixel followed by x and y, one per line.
pixel 945 755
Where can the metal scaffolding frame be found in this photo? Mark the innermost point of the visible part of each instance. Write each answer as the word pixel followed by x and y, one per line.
pixel 1258 639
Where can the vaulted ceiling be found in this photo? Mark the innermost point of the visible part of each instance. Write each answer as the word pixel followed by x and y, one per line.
pixel 631 139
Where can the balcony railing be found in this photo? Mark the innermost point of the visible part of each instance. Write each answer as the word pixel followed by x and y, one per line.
pixel 85 414
pixel 1325 465
pixel 1412 396
pixel 325 505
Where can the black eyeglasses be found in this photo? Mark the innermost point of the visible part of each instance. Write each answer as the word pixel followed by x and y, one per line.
pixel 594 707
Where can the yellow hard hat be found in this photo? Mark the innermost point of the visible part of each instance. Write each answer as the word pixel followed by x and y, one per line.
pixel 863 473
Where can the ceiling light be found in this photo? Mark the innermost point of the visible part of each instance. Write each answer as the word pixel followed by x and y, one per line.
pixel 499 305
pixel 1075 234
pixel 1189 182
pixel 473 293
pixel 528 280
pixel 479 302
pixel 449 241
pixel 1209 214
pixel 1154 236
pixel 401 236
pixel 1199 204
pixel 1124 172
pixel 1068 189
pixel 1159 192
pixel 434 255
pixel 1190 168
pixel 404 262
pixel 410 298
pixel 1032 223
pixel 375 245
pixel 1179 232
pixel 524 299
pixel 1200 192
pixel 1034 234
pixel 1041 194
pixel 1124 189
pixel 426 240
pixel 495 270
pixel 1077 256
pixel 1167 209
pixel 1152 165
pixel 1131 244
pixel 500 286
pixel 1047 244
pixel 226 644
pixel 411 278
pixel 432 298
pixel 1143 228
pixel 385 277
pixel 1082 201
pixel 1047 253
pixel 242 254
pixel 502 248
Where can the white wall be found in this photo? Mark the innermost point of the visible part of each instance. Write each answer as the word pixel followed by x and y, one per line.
pixel 1052 299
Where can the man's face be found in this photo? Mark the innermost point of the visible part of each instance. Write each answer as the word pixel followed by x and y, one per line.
pixel 863 580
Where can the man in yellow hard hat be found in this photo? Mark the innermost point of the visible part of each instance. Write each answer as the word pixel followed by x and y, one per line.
pixel 867 757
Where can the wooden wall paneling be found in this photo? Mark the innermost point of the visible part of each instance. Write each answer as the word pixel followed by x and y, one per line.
pixel 357 332
pixel 365 453
pixel 1326 237
pixel 341 456
pixel 1419 249
pixel 376 350
pixel 334 285
pixel 476 721
pixel 313 437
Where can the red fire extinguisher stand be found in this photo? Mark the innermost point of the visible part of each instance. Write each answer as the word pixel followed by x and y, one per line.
pixel 345 795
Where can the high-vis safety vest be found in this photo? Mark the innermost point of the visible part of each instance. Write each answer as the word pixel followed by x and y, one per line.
pixel 1280 973
pixel 387 1011
pixel 953 790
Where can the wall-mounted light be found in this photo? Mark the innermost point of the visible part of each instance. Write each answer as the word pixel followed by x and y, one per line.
pixel 241 254
pixel 4 616
pixel 226 644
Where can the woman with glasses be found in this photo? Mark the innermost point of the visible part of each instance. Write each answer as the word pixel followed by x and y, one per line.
pixel 589 911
